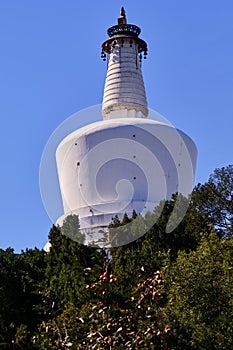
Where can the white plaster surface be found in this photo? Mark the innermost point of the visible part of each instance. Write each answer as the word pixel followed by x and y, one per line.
pixel 114 166
pixel 124 86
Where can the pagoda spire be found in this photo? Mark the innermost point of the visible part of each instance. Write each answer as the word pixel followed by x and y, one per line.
pixel 122 19
pixel 124 93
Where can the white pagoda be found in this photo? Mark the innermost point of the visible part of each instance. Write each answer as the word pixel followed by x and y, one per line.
pixel 127 161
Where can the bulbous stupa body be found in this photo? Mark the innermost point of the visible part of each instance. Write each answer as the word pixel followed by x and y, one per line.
pixel 125 162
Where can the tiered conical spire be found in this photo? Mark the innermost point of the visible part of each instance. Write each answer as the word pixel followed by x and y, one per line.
pixel 124 93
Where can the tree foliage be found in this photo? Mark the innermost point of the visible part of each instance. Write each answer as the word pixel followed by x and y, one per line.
pixel 164 290
pixel 200 294
pixel 214 200
pixel 21 277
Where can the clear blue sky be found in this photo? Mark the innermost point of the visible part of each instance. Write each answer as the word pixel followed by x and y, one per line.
pixel 50 68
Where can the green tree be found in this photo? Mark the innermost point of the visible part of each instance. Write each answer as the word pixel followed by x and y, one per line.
pixel 200 296
pixel 21 277
pixel 113 322
pixel 214 200
pixel 70 267
pixel 150 250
